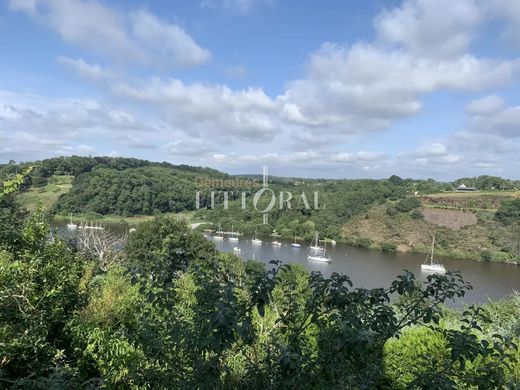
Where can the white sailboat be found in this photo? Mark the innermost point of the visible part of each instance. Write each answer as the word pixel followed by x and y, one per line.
pixel 276 243
pixel 255 240
pixel 71 225
pixel 218 236
pixel 237 250
pixel 430 265
pixel 234 236
pixel 315 244
pixel 295 244
pixel 319 256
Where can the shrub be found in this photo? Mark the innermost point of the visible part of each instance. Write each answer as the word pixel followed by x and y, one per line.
pixel 486 255
pixel 392 211
pixel 408 204
pixel 416 214
pixel 363 242
pixel 388 247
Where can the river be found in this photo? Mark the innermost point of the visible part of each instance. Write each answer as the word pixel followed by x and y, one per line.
pixel 369 269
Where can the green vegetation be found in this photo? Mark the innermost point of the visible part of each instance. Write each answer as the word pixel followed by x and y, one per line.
pixel 174 313
pixel 47 195
pixel 133 191
pixel 509 212
pixel 459 234
pixel 488 183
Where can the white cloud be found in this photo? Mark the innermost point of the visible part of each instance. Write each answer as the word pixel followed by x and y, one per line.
pixel 492 116
pixel 207 110
pixel 22 145
pixel 433 149
pixel 137 37
pixel 89 71
pixel 168 40
pixel 364 88
pixel 33 124
pixel 188 147
pixel 487 105
pixel 427 28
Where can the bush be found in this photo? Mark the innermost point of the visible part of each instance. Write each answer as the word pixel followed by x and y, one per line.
pixel 486 255
pixel 392 211
pixel 508 212
pixel 408 204
pixel 388 247
pixel 363 242
pixel 416 214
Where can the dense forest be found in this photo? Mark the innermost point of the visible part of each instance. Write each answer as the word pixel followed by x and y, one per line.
pixel 168 311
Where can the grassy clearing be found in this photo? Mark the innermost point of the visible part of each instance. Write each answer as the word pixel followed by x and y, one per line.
pixel 48 195
pixel 475 194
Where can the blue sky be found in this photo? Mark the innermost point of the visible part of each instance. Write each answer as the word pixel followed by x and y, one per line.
pixel 344 89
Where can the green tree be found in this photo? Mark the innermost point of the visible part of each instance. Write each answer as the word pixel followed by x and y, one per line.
pixel 159 249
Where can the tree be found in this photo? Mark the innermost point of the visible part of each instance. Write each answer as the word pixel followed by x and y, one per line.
pixel 103 244
pixel 509 212
pixel 161 248
pixel 40 290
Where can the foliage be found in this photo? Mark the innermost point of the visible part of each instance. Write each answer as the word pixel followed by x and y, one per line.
pixel 12 185
pixel 416 214
pixel 39 292
pixel 509 212
pixel 408 204
pixel 488 183
pixel 161 248
pixel 174 313
pixel 133 191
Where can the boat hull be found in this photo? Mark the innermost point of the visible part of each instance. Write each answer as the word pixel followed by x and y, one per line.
pixel 436 268
pixel 256 242
pixel 319 259
pixel 296 245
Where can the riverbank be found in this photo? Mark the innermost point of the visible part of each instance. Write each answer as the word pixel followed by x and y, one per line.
pixel 471 235
pixel 119 219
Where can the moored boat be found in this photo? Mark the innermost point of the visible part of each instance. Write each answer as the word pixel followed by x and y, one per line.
pixel 430 265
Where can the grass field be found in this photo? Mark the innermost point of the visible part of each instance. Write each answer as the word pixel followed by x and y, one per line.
pixel 48 195
pixel 475 194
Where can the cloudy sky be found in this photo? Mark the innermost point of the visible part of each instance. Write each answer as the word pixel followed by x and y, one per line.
pixel 421 88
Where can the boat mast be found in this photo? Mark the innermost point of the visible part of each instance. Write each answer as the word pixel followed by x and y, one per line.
pixel 433 249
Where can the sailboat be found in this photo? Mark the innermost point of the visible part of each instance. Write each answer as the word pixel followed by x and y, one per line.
pixel 237 250
pixel 295 244
pixel 430 265
pixel 234 236
pixel 315 244
pixel 255 240
pixel 219 236
pixel 276 243
pixel 318 256
pixel 71 225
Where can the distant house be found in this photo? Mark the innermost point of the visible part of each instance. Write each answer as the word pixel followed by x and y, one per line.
pixel 463 187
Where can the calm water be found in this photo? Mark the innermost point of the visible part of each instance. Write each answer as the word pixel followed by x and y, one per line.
pixel 370 269
pixel 376 269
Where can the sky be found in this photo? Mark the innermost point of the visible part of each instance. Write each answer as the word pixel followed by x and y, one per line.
pixel 332 89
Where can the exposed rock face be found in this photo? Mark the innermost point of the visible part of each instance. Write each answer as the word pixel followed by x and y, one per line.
pixel 452 219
